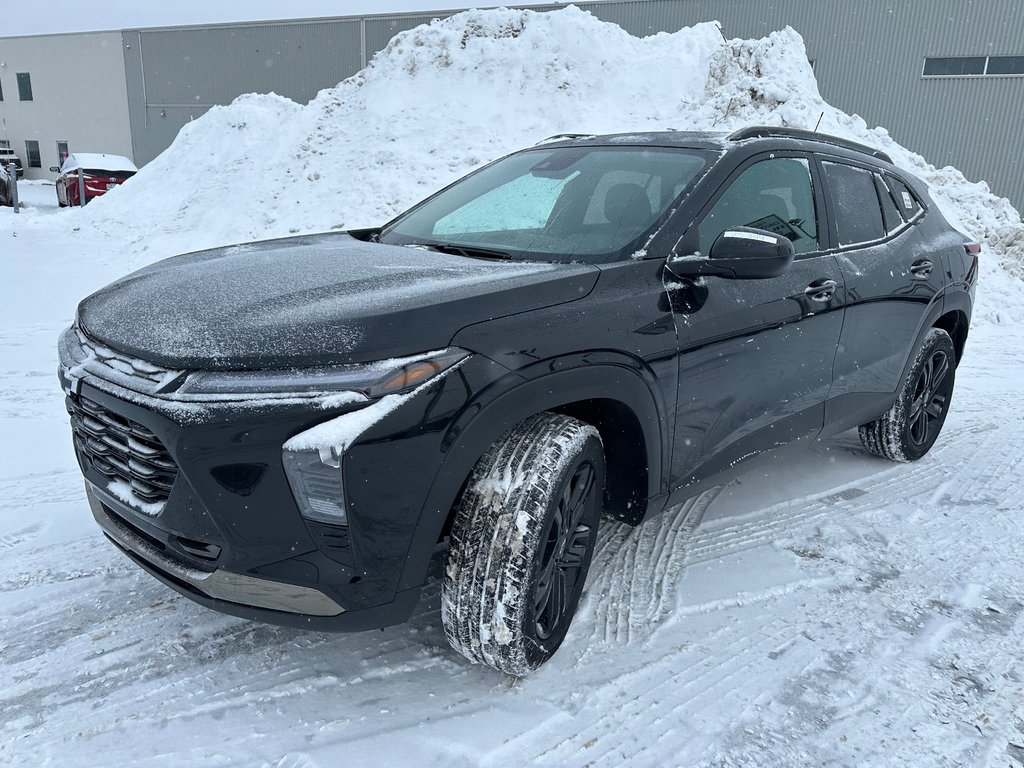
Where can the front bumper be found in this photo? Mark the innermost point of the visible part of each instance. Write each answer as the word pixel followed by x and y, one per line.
pixel 216 584
pixel 229 534
pixel 244 550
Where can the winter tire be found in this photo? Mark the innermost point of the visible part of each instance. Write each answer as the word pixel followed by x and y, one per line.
pixel 521 543
pixel 909 429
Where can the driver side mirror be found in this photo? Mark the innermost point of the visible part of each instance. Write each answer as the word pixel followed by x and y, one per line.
pixel 739 253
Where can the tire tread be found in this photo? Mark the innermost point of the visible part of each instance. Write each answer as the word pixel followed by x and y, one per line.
pixel 497 525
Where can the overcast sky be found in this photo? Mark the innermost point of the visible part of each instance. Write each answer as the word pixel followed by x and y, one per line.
pixel 49 16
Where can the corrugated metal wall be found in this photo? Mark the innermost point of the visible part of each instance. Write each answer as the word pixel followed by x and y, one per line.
pixel 175 75
pixel 868 58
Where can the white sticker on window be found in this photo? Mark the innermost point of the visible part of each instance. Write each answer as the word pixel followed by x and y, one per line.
pixel 750 236
pixel 908 201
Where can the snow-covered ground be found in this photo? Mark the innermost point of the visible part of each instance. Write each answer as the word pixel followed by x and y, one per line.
pixel 827 608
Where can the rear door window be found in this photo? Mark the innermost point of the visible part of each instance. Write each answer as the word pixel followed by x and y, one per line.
pixel 855 205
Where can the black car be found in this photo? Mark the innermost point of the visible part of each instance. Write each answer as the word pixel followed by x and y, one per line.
pixel 289 430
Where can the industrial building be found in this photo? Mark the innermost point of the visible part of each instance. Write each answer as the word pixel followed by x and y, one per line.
pixel 946 77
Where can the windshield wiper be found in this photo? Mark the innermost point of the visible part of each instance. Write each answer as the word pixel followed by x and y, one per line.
pixel 470 251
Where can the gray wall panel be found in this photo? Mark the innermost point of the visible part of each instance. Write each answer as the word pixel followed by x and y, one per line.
pixel 213 66
pixel 175 75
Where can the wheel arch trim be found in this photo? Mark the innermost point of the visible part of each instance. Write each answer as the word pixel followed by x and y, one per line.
pixel 484 420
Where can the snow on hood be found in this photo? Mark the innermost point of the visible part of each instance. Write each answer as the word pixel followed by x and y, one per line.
pixel 445 97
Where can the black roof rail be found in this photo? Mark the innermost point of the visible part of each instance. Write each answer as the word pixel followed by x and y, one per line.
pixel 560 136
pixel 766 131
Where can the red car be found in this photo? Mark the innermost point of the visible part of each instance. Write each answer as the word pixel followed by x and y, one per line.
pixel 100 172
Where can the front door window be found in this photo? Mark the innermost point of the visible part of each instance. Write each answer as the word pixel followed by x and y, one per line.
pixel 775 195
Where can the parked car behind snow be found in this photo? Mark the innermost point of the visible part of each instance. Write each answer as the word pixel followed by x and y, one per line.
pixel 7 157
pixel 102 172
pixel 6 196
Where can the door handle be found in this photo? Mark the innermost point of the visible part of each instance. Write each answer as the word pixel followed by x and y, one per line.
pixel 821 290
pixel 921 269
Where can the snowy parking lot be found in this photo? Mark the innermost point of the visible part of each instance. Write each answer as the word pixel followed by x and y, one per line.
pixel 826 608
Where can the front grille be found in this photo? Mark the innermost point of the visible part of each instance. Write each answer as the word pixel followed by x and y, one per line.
pixel 121 449
pixel 123 364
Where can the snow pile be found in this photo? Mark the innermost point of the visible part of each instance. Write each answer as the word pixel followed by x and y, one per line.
pixel 445 97
pixel 440 100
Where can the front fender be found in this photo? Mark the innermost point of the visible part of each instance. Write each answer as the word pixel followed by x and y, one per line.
pixel 542 386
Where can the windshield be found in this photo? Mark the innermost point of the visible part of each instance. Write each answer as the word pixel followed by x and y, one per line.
pixel 593 204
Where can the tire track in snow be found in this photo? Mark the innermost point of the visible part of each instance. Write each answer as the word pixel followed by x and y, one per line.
pixel 910 481
pixel 639 568
pixel 655 695
pixel 16 538
pixel 636 569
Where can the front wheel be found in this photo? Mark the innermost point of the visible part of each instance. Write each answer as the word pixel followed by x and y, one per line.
pixel 909 429
pixel 521 543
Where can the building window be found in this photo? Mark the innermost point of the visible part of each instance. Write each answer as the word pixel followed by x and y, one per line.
pixel 5 143
pixel 954 66
pixel 1005 65
pixel 1 92
pixel 24 86
pixel 32 153
pixel 973 66
pixel 62 152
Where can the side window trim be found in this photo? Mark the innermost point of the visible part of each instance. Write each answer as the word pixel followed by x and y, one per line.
pixel 822 208
pixel 884 191
pixel 816 191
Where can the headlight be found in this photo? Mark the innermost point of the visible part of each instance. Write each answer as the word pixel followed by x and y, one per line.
pixel 312 459
pixel 370 379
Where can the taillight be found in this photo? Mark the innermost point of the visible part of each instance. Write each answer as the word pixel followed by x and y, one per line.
pixel 973 249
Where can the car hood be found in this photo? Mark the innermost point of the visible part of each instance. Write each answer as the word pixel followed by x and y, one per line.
pixel 314 300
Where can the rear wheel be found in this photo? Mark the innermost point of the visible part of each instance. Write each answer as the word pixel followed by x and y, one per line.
pixel 521 543
pixel 909 429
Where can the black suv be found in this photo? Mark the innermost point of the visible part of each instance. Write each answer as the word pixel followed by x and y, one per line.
pixel 288 430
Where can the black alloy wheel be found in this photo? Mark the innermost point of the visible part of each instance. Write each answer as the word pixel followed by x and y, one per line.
pixel 931 399
pixel 568 540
